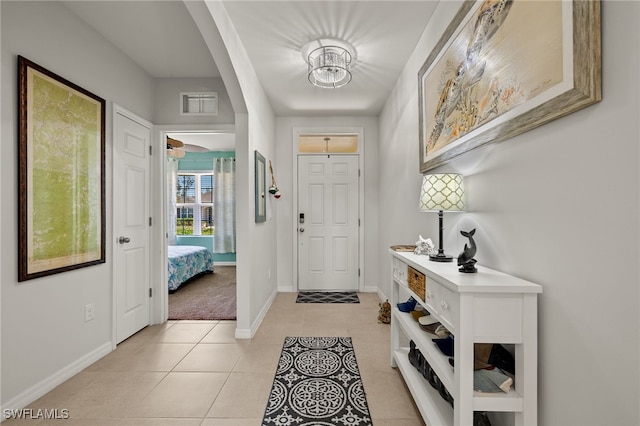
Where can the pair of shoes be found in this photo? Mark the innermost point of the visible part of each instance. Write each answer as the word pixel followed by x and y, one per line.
pixel 407 306
pixel 445 345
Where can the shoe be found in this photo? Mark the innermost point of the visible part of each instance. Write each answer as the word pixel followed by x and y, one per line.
pixel 417 315
pixel 407 306
pixel 445 345
pixel 430 328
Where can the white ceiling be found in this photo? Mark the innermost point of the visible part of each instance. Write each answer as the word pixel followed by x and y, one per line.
pixel 161 37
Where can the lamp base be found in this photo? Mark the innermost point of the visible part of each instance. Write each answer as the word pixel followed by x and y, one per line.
pixel 441 257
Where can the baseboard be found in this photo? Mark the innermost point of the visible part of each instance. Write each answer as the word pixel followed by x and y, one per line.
pixel 370 289
pixel 39 389
pixel 381 295
pixel 224 264
pixel 286 289
pixel 248 333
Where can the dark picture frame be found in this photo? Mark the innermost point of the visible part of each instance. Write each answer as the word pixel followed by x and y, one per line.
pixel 502 68
pixel 260 188
pixel 61 180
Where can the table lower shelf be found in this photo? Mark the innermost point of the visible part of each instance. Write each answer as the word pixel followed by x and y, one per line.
pixel 434 409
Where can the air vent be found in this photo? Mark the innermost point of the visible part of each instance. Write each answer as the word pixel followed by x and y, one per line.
pixel 198 103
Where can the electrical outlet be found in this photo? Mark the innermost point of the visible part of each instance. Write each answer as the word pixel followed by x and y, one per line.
pixel 89 311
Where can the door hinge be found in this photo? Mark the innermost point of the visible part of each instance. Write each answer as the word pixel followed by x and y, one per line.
pixel 358 222
pixel 358 271
pixel 358 172
pixel 150 220
pixel 150 149
pixel 150 292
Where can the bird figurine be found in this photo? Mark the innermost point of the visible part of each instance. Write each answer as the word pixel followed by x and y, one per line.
pixel 465 259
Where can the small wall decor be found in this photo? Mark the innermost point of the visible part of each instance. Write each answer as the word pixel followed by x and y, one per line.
pixel 273 189
pixel 260 188
pixel 503 67
pixel 465 259
pixel 61 151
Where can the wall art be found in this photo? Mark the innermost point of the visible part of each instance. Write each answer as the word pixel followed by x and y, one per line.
pixel 61 132
pixel 503 67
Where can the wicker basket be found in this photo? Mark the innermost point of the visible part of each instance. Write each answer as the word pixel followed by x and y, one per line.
pixel 417 282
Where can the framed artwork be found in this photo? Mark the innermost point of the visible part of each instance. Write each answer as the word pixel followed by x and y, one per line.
pixel 61 209
pixel 261 188
pixel 503 67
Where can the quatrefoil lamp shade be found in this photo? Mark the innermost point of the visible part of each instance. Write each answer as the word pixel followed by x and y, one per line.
pixel 329 67
pixel 440 192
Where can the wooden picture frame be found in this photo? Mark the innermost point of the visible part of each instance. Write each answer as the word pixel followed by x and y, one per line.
pixel 261 188
pixel 61 152
pixel 504 67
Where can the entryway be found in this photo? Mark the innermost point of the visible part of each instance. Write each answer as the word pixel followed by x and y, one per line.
pixel 328 212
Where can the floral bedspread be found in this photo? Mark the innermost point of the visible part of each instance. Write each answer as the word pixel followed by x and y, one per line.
pixel 186 262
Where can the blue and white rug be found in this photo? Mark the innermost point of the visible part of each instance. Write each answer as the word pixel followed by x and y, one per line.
pixel 317 383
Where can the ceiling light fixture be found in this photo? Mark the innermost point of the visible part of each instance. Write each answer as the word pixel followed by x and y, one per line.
pixel 175 148
pixel 329 63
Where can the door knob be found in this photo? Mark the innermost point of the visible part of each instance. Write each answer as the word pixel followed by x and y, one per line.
pixel 301 229
pixel 123 240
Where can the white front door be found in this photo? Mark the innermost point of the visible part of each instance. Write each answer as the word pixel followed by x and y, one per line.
pixel 328 222
pixel 131 194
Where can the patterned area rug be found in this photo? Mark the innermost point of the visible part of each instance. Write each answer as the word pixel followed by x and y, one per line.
pixel 317 383
pixel 327 297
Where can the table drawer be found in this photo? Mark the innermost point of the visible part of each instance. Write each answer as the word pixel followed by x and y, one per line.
pixel 444 302
pixel 449 308
pixel 400 271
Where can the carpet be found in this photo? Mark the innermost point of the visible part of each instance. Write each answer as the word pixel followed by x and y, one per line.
pixel 317 383
pixel 327 297
pixel 206 297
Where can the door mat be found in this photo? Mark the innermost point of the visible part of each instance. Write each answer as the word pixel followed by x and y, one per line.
pixel 327 297
pixel 317 383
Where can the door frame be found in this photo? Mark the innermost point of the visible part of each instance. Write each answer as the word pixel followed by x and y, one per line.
pixel 328 130
pixel 160 304
pixel 115 110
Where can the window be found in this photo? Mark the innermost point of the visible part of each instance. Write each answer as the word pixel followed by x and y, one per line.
pixel 330 143
pixel 194 201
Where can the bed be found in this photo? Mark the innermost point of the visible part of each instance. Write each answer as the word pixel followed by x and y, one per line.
pixel 186 262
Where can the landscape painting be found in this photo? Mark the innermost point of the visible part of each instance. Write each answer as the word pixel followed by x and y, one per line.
pixel 61 174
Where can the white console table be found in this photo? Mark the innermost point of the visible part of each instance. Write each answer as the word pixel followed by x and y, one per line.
pixel 483 307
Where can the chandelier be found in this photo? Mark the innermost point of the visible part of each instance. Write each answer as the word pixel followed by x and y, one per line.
pixel 329 66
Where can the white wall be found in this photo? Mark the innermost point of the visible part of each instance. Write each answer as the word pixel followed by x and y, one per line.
pixel 255 130
pixel 44 336
pixel 558 205
pixel 167 101
pixel 283 208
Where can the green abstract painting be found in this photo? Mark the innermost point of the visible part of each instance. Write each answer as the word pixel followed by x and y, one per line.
pixel 62 174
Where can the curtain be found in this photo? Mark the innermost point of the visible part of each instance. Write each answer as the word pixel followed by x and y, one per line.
pixel 172 180
pixel 224 205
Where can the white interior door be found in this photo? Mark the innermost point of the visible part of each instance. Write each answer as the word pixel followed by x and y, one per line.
pixel 328 222
pixel 131 199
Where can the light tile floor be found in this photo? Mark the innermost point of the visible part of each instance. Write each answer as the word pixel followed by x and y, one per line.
pixel 195 373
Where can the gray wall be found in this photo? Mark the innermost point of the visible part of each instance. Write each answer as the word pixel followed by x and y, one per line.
pixel 43 329
pixel 558 205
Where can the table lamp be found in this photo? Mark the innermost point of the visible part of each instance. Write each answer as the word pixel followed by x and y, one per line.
pixel 440 192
